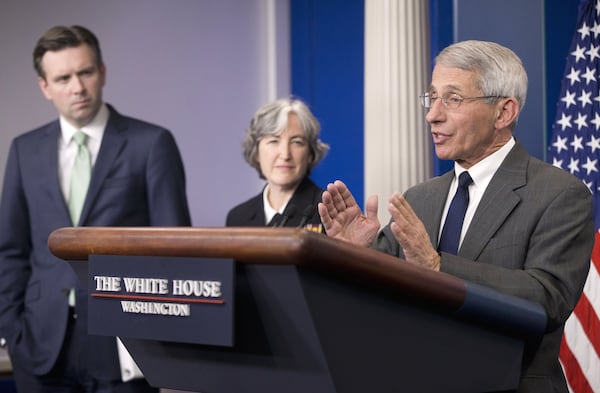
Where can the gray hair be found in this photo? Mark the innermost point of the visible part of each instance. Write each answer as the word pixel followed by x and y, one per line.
pixel 500 71
pixel 271 119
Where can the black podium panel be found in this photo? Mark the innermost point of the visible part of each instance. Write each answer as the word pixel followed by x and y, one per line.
pixel 301 331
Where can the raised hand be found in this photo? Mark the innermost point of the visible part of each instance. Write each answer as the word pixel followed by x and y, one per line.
pixel 411 234
pixel 343 219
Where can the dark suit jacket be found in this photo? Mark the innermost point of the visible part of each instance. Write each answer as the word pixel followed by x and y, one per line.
pixel 138 180
pixel 531 237
pixel 252 212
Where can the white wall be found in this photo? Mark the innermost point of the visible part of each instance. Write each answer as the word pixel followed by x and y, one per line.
pixel 198 67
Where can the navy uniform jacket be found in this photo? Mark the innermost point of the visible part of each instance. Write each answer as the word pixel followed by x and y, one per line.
pixel 305 199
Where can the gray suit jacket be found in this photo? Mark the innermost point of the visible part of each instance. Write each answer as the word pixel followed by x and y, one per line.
pixel 531 237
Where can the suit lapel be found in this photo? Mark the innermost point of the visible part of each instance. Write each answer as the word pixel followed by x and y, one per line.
pixel 491 214
pixel 436 197
pixel 113 142
pixel 256 217
pixel 303 196
pixel 48 172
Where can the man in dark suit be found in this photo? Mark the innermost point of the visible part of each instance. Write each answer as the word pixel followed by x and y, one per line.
pixel 137 179
pixel 528 227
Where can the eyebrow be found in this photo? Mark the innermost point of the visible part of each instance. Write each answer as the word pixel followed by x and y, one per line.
pixel 67 75
pixel 61 76
pixel 453 88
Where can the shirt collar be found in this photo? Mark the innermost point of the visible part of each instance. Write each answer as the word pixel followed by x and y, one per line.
pixel 269 211
pixel 486 168
pixel 94 129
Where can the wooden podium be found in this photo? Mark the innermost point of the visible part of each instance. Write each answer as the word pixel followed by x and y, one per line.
pixel 313 314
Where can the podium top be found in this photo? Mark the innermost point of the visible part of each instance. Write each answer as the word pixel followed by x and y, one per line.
pixel 294 246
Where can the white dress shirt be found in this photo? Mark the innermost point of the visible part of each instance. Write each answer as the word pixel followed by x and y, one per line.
pixel 67 147
pixel 482 174
pixel 67 150
pixel 269 210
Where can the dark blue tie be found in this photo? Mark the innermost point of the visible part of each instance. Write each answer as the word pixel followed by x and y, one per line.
pixel 456 215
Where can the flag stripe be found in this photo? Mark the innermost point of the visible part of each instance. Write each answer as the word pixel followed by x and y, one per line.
pixel 588 318
pixel 583 368
pixel 596 251
pixel 575 379
pixel 592 286
pixel 575 147
pixel 589 322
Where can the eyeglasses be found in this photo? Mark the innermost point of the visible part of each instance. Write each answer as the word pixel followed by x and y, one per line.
pixel 450 101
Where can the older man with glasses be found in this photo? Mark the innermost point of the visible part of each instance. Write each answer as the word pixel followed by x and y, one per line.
pixel 501 218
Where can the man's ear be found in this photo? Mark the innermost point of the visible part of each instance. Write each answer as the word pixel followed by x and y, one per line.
pixel 44 87
pixel 507 112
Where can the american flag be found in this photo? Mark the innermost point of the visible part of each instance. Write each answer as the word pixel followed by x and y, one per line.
pixel 575 147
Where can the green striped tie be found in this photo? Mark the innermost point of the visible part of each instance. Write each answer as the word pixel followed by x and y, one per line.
pixel 80 177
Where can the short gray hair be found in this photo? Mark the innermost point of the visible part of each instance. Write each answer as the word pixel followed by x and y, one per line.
pixel 500 71
pixel 272 119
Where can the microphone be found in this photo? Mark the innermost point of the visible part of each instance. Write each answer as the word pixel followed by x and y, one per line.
pixel 289 211
pixel 307 213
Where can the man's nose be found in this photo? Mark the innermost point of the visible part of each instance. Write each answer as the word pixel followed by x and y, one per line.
pixel 435 110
